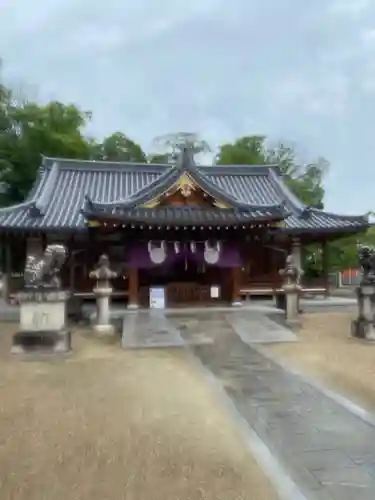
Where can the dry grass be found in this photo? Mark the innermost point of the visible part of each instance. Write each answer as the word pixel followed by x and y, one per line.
pixel 107 424
pixel 327 352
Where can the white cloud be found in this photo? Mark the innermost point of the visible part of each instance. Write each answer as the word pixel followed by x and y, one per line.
pixel 368 78
pixel 301 71
pixel 349 7
pixel 367 37
pixel 324 94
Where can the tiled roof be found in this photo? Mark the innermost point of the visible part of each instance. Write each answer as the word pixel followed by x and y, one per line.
pixel 66 189
pixel 160 185
pixel 189 215
pixel 75 181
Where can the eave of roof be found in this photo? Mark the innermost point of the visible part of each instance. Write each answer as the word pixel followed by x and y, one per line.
pixel 324 222
pixel 186 216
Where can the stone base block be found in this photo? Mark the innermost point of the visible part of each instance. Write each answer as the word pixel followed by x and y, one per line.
pixel 104 329
pixel 31 341
pixel 363 329
pixel 293 323
pixel 43 316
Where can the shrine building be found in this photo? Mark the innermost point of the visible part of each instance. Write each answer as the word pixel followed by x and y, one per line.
pixel 203 234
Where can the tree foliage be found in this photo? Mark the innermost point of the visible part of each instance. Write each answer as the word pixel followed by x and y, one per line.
pixel 306 181
pixel 118 147
pixel 54 129
pixel 29 130
pixel 160 159
pixel 343 253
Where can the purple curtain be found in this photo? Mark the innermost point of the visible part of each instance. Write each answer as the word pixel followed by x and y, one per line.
pixel 139 255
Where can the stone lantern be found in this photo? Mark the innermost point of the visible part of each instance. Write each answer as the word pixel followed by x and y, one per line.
pixel 103 290
pixel 291 275
pixel 364 325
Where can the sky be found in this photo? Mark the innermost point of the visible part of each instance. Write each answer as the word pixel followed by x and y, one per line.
pixel 296 71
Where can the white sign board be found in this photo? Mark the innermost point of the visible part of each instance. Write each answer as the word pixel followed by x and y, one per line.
pixel 157 298
pixel 214 292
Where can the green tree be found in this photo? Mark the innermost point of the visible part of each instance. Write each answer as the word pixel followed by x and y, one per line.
pixel 118 147
pixel 4 126
pixel 306 181
pixel 159 159
pixel 249 150
pixel 343 253
pixel 32 130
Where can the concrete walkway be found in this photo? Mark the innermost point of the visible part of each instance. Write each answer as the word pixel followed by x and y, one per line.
pixel 327 451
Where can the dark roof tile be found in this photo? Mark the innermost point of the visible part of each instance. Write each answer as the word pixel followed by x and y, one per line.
pixel 59 197
pixel 188 215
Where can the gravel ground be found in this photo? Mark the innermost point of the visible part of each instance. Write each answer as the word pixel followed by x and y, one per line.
pixel 106 424
pixel 327 352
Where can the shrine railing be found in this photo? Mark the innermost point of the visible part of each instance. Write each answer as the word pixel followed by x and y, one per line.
pixel 272 284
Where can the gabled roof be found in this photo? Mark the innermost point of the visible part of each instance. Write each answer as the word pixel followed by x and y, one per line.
pixel 66 191
pixel 184 165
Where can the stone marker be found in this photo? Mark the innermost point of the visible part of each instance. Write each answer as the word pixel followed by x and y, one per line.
pixel 43 306
pixel 364 325
pixel 103 291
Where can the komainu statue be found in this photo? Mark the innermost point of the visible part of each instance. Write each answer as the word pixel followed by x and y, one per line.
pixel 43 272
pixel 366 259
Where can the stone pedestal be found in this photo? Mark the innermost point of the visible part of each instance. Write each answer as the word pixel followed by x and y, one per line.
pixel 364 326
pixel 103 291
pixel 103 324
pixel 292 292
pixel 133 307
pixel 42 322
pixel 291 286
pixel 237 303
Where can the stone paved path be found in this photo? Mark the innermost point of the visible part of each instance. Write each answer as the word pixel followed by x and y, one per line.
pixel 256 328
pixel 328 451
pixel 153 329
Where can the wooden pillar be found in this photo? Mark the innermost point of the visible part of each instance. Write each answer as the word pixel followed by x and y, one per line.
pixel 7 267
pixel 296 252
pixel 133 288
pixel 325 265
pixel 72 271
pixel 274 269
pixel 236 285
